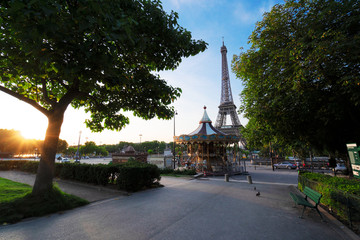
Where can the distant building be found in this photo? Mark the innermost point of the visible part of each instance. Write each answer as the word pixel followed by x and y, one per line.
pixel 128 153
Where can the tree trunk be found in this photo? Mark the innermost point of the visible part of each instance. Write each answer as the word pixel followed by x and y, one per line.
pixel 45 172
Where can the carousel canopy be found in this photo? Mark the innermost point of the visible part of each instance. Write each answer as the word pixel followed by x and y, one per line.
pixel 206 127
pixel 206 132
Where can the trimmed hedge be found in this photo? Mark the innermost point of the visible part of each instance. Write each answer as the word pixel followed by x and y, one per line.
pixel 340 195
pixel 130 176
pixel 133 176
pixel 21 165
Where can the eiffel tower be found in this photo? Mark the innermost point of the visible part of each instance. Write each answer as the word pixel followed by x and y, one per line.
pixel 227 106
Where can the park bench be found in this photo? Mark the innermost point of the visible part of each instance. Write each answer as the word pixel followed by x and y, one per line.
pixel 309 193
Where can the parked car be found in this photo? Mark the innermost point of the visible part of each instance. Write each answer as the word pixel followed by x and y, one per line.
pixel 287 165
pixel 63 160
pixel 340 167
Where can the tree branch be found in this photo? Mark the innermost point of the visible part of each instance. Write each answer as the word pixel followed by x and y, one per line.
pixel 45 93
pixel 24 99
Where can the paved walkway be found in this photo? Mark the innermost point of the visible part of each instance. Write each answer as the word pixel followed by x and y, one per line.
pixel 269 201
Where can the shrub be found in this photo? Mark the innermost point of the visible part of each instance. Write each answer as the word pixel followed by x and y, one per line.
pixel 130 176
pixel 29 166
pixel 340 195
pixel 12 165
pixel 133 176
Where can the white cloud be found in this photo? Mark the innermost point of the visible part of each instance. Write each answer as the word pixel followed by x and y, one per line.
pixel 248 13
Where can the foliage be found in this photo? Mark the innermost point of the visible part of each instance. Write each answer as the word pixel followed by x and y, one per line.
pixel 351 186
pixel 71 151
pixel 156 146
pixel 134 176
pixel 13 210
pixel 340 195
pixel 130 176
pixel 100 55
pixel 21 165
pixel 94 54
pixel 98 174
pixel 301 75
pixel 90 148
pixel 62 146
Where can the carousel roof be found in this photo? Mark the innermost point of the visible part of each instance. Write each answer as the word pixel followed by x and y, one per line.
pixel 206 132
pixel 206 127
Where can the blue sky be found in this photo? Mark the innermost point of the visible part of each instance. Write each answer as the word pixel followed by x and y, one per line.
pixel 199 77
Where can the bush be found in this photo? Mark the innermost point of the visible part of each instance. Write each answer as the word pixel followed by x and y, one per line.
pixel 130 176
pixel 351 186
pixel 133 176
pixel 16 165
pixel 340 195
pixel 29 166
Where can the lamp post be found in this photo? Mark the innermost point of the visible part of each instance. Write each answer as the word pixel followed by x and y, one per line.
pixel 36 152
pixel 140 135
pixel 77 158
pixel 174 140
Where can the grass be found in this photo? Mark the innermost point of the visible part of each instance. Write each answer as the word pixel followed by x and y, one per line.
pixel 17 202
pixel 10 190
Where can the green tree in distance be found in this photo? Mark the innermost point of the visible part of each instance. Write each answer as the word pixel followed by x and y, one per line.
pixel 62 146
pixel 89 148
pixel 101 55
pixel 301 75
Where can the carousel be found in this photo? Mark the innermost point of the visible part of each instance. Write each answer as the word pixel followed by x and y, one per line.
pixel 210 150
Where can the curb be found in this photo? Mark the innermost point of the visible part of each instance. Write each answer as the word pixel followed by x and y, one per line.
pixel 338 226
pixel 96 187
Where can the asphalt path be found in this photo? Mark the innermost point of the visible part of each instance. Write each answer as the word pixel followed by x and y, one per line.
pixel 208 208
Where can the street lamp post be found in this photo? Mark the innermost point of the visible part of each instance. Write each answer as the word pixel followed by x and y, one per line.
pixel 140 135
pixel 174 140
pixel 36 152
pixel 77 158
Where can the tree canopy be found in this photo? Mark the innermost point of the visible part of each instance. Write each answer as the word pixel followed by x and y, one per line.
pixel 301 74
pixel 101 55
pixel 90 148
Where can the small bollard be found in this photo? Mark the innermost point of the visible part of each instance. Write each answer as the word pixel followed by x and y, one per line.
pixel 249 179
pixel 226 177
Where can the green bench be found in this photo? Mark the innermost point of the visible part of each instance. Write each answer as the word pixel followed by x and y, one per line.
pixel 309 193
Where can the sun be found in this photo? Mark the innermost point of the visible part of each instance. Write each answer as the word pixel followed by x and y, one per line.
pixel 23 118
pixel 33 127
pixel 33 133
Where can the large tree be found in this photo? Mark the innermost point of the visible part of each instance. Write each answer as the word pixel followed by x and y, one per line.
pixel 301 74
pixel 101 55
